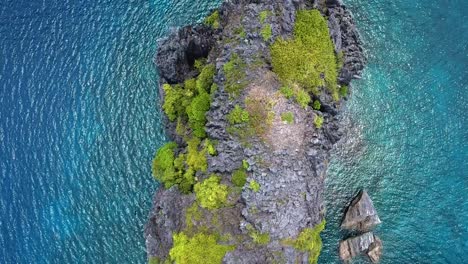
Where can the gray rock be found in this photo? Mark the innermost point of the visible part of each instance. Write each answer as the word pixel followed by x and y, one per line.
pixel 361 214
pixel 365 244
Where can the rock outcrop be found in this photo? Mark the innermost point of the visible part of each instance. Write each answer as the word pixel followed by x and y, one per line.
pixel 361 214
pixel 289 161
pixel 367 243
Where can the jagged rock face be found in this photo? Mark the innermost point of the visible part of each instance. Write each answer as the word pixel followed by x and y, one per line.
pixel 367 243
pixel 177 54
pixel 361 214
pixel 289 161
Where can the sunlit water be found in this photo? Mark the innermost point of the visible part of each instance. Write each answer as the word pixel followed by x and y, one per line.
pixel 79 126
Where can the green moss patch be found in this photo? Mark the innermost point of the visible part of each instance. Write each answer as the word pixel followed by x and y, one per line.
pixel 309 240
pixel 213 20
pixel 199 249
pixel 211 194
pixel 234 70
pixel 239 177
pixel 308 59
pixel 287 117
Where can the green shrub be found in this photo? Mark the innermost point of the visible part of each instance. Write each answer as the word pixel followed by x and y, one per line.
pixel 196 114
pixel 196 158
pixel 239 177
pixel 172 96
pixel 264 15
pixel 266 32
pixel 258 238
pixel 213 20
pixel 199 63
pixel 234 70
pixel 254 185
pixel 199 249
pixel 308 59
pixel 245 164
pixel 211 194
pixel 287 92
pixel 288 117
pixel 309 240
pixel 238 115
pixel 317 105
pixel 210 147
pixel 303 98
pixel 163 165
pixel 318 121
pixel 344 91
pixel 205 79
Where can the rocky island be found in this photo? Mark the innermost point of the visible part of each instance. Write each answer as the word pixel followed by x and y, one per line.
pixel 252 101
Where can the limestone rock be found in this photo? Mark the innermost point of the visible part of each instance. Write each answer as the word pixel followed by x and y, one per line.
pixel 367 243
pixel 361 214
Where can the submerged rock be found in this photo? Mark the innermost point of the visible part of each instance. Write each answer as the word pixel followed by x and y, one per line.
pixel 367 243
pixel 361 214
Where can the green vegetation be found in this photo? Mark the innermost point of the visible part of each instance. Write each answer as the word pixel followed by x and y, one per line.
pixel 258 238
pixel 344 91
pixel 318 121
pixel 309 240
pixel 254 185
pixel 234 70
pixel 240 31
pixel 339 61
pixel 213 20
pixel 303 98
pixel 210 147
pixel 308 59
pixel 260 115
pixel 211 194
pixel 245 164
pixel 238 116
pixel 266 32
pixel 196 158
pixel 264 15
pixel 200 249
pixel 317 105
pixel 170 171
pixel 287 117
pixel 287 92
pixel 189 102
pixel 239 177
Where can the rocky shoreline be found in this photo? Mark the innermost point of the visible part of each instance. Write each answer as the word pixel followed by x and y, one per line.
pixel 285 167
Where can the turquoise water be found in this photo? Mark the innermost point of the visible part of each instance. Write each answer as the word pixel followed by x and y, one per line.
pixel 79 127
pixel 409 140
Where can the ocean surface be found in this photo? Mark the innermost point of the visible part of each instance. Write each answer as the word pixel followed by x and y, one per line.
pixel 79 126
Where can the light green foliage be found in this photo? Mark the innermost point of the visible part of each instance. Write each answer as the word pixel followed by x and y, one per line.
pixel 309 240
pixel 303 98
pixel 196 114
pixel 199 63
pixel 287 117
pixel 317 105
pixel 163 165
pixel 264 15
pixel 213 20
pixel 344 91
pixel 245 164
pixel 287 92
pixel 205 79
pixel 196 158
pixel 210 147
pixel 238 116
pixel 254 185
pixel 339 60
pixel 266 32
pixel 234 70
pixel 318 121
pixel 211 194
pixel 308 59
pixel 171 99
pixel 239 177
pixel 192 213
pixel 259 238
pixel 199 249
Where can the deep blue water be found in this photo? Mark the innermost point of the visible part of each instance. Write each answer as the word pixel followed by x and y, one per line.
pixel 79 126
